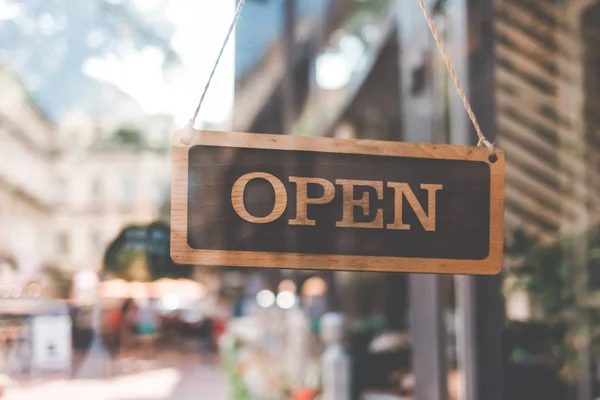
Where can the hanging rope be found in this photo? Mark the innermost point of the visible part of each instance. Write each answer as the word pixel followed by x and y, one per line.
pixel 482 139
pixel 190 131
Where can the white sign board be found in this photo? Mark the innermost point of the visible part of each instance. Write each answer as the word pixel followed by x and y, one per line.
pixel 51 342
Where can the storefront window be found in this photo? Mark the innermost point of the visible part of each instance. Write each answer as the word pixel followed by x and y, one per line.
pixel 92 93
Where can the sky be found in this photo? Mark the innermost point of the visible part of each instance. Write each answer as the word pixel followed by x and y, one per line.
pixel 200 28
pixel 56 45
pixel 42 40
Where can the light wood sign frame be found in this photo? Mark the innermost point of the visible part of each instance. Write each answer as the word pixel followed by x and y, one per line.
pixel 470 214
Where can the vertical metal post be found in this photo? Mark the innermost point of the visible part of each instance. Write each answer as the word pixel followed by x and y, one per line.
pixel 418 115
pixel 428 333
pixel 576 185
pixel 480 305
pixel 289 39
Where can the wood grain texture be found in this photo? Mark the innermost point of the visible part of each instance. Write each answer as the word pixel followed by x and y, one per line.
pixel 427 220
pixel 308 209
pixel 302 199
pixel 237 198
pixel 349 204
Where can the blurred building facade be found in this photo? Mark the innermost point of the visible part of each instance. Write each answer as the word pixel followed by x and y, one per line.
pixel 545 95
pixel 68 190
pixel 117 175
pixel 25 172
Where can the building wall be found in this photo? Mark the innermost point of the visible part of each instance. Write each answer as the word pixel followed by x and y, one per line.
pixel 102 184
pixel 102 192
pixel 25 170
pixel 79 130
pixel 67 191
pixel 25 229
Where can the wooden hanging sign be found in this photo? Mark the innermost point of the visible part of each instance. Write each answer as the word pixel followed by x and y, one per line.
pixel 276 201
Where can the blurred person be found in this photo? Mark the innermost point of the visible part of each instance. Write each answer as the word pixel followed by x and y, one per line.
pixel 13 361
pixel 221 314
pixel 206 335
pixel 127 324
pixel 147 323
pixel 4 379
pixel 114 322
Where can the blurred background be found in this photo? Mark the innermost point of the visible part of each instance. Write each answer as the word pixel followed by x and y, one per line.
pixel 91 93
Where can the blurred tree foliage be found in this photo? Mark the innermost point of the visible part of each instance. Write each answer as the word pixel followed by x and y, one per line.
pixel 142 253
pixel 66 34
pixel 126 136
pixel 547 272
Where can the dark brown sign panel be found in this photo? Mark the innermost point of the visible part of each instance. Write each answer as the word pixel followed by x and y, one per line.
pixel 319 203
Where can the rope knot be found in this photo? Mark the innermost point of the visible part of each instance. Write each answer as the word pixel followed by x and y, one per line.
pixel 484 142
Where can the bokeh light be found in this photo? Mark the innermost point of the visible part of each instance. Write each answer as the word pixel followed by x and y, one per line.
pixel 265 298
pixel 286 300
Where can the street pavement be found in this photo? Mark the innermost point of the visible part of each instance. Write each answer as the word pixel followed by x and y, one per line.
pixel 185 379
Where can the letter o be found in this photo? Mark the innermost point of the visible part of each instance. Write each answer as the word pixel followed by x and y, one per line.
pixel 237 197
